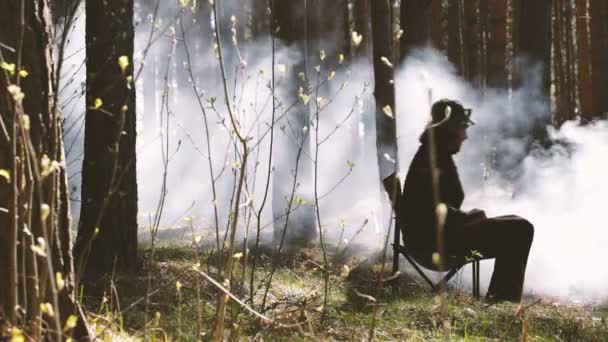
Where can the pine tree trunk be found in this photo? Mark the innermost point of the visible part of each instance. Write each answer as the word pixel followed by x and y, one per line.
pixel 416 24
pixel 534 44
pixel 472 42
pixel 107 232
pixel 33 195
pixel 439 22
pixel 384 90
pixel 361 25
pixel 497 44
pixel 455 35
pixel 583 42
pixel 599 56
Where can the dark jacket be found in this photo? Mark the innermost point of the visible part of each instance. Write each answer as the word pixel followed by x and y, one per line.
pixel 416 205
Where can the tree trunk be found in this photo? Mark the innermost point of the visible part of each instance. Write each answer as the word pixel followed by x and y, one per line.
pixel 497 44
pixel 439 23
pixel 455 35
pixel 534 44
pixel 472 41
pixel 583 42
pixel 293 158
pixel 599 56
pixel 416 24
pixel 107 232
pixel 35 244
pixel 384 90
pixel 327 23
pixel 361 25
pixel 258 22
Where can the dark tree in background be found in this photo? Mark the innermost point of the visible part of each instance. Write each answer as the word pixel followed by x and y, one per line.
pixel 293 157
pixel 361 24
pixel 496 38
pixel 384 89
pixel 599 56
pixel 35 241
pixel 456 35
pixel 327 30
pixel 107 232
pixel 534 43
pixel 416 24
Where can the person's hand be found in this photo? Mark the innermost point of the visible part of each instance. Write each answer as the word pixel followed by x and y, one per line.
pixel 475 216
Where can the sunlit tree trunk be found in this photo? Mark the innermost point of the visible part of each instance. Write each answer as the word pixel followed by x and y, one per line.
pixel 107 232
pixel 35 241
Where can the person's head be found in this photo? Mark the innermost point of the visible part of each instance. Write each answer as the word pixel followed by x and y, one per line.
pixel 449 120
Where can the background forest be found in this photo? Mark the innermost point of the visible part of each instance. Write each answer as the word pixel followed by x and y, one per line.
pixel 224 169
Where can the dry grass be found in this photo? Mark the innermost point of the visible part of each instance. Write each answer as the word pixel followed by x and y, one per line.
pixel 295 301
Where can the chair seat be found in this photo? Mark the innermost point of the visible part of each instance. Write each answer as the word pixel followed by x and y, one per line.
pixel 425 259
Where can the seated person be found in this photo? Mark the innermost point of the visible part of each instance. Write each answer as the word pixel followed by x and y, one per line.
pixel 505 238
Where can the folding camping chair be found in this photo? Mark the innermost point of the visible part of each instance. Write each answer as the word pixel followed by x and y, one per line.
pixel 416 259
pixel 453 264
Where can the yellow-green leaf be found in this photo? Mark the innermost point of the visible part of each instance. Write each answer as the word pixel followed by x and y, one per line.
pixel 45 210
pixel 388 111
pixel 6 174
pixel 356 38
pixel 71 322
pixel 98 103
pixel 10 67
pixel 123 62
pixel 23 73
pixel 25 121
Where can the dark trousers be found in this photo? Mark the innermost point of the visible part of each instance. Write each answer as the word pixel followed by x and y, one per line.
pixel 507 239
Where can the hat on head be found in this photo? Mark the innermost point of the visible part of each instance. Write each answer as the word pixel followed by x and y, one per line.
pixel 449 113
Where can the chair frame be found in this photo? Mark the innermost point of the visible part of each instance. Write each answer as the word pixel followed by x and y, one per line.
pixel 400 249
pixel 393 189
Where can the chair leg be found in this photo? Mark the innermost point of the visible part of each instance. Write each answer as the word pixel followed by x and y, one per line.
pixel 476 292
pixel 420 272
pixel 395 267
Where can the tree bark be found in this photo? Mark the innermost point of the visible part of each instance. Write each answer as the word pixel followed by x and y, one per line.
pixel 497 45
pixel 472 41
pixel 583 42
pixel 384 90
pixel 455 35
pixel 33 196
pixel 361 25
pixel 107 232
pixel 534 44
pixel 599 56
pixel 416 24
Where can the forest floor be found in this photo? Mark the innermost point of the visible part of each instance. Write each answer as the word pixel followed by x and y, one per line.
pixel 181 305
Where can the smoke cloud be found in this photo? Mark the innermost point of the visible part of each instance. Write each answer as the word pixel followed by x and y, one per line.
pixel 559 188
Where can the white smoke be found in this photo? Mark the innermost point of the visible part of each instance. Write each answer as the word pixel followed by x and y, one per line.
pixel 560 189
